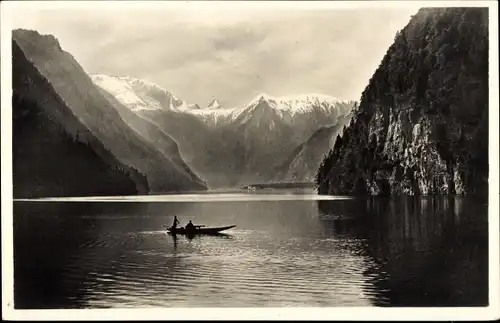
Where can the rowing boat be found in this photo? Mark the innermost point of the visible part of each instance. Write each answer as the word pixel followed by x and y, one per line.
pixel 199 230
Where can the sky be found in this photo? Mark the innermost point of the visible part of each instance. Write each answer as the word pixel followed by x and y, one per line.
pixel 201 53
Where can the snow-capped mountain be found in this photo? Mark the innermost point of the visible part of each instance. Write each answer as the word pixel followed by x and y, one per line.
pixel 304 113
pixel 139 94
pixel 214 105
pixel 287 108
pixel 298 104
pixel 230 145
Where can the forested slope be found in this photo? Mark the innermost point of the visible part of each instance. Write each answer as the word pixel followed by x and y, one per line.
pixel 422 123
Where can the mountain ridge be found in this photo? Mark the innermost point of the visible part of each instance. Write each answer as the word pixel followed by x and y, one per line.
pixel 53 153
pixel 233 146
pixel 99 115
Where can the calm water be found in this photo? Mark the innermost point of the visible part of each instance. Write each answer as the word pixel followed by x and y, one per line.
pixel 363 252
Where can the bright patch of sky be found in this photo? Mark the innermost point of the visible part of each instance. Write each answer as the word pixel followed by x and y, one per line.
pixel 230 52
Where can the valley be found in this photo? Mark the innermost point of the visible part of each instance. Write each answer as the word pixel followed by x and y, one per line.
pixel 408 134
pixel 230 147
pixel 266 156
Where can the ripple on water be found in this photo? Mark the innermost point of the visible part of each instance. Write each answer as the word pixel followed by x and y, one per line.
pixel 282 253
pixel 148 268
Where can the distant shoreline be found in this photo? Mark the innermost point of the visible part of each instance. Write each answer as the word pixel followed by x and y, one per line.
pixel 280 185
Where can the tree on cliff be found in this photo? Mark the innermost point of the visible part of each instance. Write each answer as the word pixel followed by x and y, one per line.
pixel 436 71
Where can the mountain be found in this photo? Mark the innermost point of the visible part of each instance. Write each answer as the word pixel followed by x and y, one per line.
pixel 197 140
pixel 214 105
pixel 269 129
pixel 304 161
pixel 229 146
pixel 176 168
pixel 300 115
pixel 422 123
pixel 150 100
pixel 102 117
pixel 54 154
pixel 138 94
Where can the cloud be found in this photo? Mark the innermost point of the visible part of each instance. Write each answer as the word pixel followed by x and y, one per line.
pixel 230 55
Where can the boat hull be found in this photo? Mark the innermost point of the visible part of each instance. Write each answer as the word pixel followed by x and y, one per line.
pixel 206 231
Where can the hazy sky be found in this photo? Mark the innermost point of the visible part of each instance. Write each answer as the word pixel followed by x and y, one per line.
pixel 228 54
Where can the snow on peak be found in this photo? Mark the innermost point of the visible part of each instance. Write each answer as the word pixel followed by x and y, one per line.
pixel 295 103
pixel 138 94
pixel 261 98
pixel 214 104
pixel 123 91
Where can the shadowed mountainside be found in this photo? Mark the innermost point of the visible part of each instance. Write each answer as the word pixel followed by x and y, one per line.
pixel 303 163
pixel 99 115
pixel 53 153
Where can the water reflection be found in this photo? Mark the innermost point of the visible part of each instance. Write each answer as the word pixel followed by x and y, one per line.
pixel 46 239
pixel 383 252
pixel 428 252
pixel 174 238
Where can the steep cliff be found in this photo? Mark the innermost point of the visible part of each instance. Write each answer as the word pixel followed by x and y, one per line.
pixel 53 153
pixel 99 115
pixel 422 123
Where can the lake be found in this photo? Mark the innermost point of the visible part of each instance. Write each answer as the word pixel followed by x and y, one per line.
pixel 289 251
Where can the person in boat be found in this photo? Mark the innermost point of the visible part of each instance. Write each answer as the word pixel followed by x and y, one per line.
pixel 190 226
pixel 176 222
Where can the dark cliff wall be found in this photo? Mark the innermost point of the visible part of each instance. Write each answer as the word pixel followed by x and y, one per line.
pixel 53 153
pixel 422 124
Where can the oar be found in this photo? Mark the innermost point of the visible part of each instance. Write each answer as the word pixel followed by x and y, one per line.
pixel 200 226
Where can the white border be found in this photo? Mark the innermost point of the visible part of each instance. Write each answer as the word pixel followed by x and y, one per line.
pixel 310 313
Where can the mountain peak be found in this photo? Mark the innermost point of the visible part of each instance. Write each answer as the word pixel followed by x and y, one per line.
pixel 33 39
pixel 214 104
pixel 296 103
pixel 139 93
pixel 263 97
pixel 309 97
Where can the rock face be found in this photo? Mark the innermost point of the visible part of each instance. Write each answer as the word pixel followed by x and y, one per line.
pixel 422 123
pixel 54 154
pixel 165 170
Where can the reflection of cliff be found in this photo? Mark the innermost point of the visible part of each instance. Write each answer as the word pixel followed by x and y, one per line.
pixel 37 268
pixel 429 252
